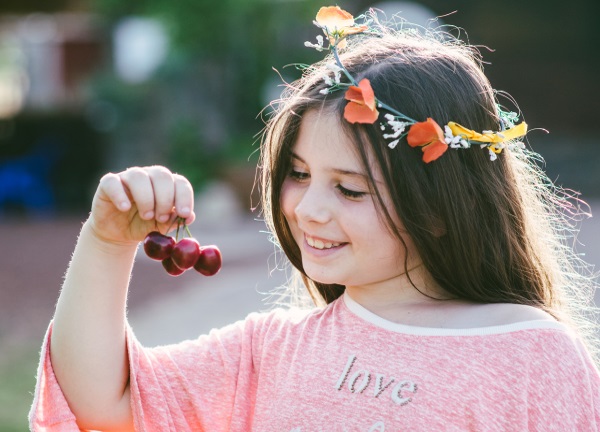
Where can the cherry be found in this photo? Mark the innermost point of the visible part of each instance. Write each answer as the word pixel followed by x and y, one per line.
pixel 209 261
pixel 185 253
pixel 158 246
pixel 171 268
pixel 179 256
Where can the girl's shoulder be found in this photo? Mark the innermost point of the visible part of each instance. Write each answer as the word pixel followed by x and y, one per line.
pixel 498 314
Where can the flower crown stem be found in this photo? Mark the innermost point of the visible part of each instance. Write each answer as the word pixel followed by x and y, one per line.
pixel 395 112
pixel 341 66
pixel 354 83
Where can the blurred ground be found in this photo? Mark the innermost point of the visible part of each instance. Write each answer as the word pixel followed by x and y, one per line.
pixel 162 309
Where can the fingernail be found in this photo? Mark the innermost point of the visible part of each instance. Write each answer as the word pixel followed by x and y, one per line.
pixel 123 205
pixel 148 215
pixel 184 211
pixel 163 218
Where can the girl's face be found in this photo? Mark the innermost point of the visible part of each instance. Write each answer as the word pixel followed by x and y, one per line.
pixel 332 215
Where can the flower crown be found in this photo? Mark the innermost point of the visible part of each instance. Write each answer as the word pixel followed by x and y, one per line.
pixel 337 25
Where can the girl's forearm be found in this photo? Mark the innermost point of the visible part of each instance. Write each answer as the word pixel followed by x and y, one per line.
pixel 88 344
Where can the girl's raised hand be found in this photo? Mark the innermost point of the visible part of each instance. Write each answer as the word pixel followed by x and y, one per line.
pixel 130 204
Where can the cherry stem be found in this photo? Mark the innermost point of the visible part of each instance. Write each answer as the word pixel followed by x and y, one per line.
pixel 170 226
pixel 187 230
pixel 178 225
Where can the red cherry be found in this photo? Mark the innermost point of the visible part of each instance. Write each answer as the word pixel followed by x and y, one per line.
pixel 171 268
pixel 158 246
pixel 185 253
pixel 209 261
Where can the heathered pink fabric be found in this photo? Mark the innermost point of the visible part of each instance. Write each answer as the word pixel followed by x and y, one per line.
pixel 344 369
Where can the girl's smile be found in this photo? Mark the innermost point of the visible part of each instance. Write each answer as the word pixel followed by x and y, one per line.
pixel 321 247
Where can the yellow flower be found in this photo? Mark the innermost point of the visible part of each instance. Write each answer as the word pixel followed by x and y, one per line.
pixel 489 137
pixel 337 24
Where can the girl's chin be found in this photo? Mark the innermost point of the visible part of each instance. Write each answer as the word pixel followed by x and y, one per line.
pixel 321 278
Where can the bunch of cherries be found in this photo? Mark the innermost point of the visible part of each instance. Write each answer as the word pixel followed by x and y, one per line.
pixel 178 256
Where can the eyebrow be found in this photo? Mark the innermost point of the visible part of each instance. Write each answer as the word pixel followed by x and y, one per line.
pixel 336 170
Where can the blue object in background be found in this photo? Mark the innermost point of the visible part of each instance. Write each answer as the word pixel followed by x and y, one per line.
pixel 25 182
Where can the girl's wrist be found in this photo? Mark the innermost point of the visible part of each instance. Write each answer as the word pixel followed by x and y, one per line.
pixel 104 244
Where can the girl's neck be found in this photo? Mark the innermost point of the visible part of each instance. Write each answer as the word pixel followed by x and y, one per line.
pixel 399 293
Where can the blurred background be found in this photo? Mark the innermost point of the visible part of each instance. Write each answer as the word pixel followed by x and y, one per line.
pixel 89 86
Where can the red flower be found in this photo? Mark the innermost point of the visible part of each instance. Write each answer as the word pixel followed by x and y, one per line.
pixel 429 135
pixel 362 105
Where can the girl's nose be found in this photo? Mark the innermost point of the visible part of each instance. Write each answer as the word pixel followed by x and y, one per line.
pixel 314 205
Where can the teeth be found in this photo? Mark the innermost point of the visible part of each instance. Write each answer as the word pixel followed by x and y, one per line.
pixel 318 244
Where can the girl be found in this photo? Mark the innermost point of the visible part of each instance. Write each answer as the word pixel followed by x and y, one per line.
pixel 445 298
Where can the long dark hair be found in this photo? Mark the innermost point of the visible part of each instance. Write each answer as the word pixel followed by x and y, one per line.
pixel 486 231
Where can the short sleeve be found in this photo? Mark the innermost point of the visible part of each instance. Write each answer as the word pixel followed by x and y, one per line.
pixel 208 383
pixel 564 386
pixel 49 411
pixel 203 384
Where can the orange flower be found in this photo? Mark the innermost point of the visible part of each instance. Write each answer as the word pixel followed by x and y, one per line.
pixel 362 105
pixel 337 24
pixel 429 135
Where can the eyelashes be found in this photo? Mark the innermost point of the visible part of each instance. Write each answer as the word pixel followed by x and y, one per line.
pixel 298 175
pixel 348 193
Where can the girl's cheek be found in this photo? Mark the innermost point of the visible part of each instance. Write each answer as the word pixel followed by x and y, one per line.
pixel 288 198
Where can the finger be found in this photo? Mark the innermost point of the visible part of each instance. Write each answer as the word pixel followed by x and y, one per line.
pixel 111 186
pixel 184 198
pixel 163 184
pixel 139 185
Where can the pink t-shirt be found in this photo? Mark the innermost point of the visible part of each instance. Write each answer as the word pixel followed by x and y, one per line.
pixel 343 368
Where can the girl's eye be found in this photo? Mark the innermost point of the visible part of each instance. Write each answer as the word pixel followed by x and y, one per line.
pixel 350 193
pixel 298 175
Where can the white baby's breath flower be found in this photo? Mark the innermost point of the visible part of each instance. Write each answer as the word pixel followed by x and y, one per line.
pixel 397 126
pixel 448 136
pixel 398 129
pixel 392 135
pixel 493 156
pixel 393 144
pixel 333 67
pixel 448 132
pixel 315 46
pixel 516 145
pixel 337 72
pixel 327 80
pixel 324 91
pixel 318 46
pixel 337 76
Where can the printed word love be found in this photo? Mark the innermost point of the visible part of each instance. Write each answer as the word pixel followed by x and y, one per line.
pixel 359 381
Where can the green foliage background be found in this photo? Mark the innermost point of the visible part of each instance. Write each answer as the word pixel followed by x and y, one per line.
pixel 203 104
